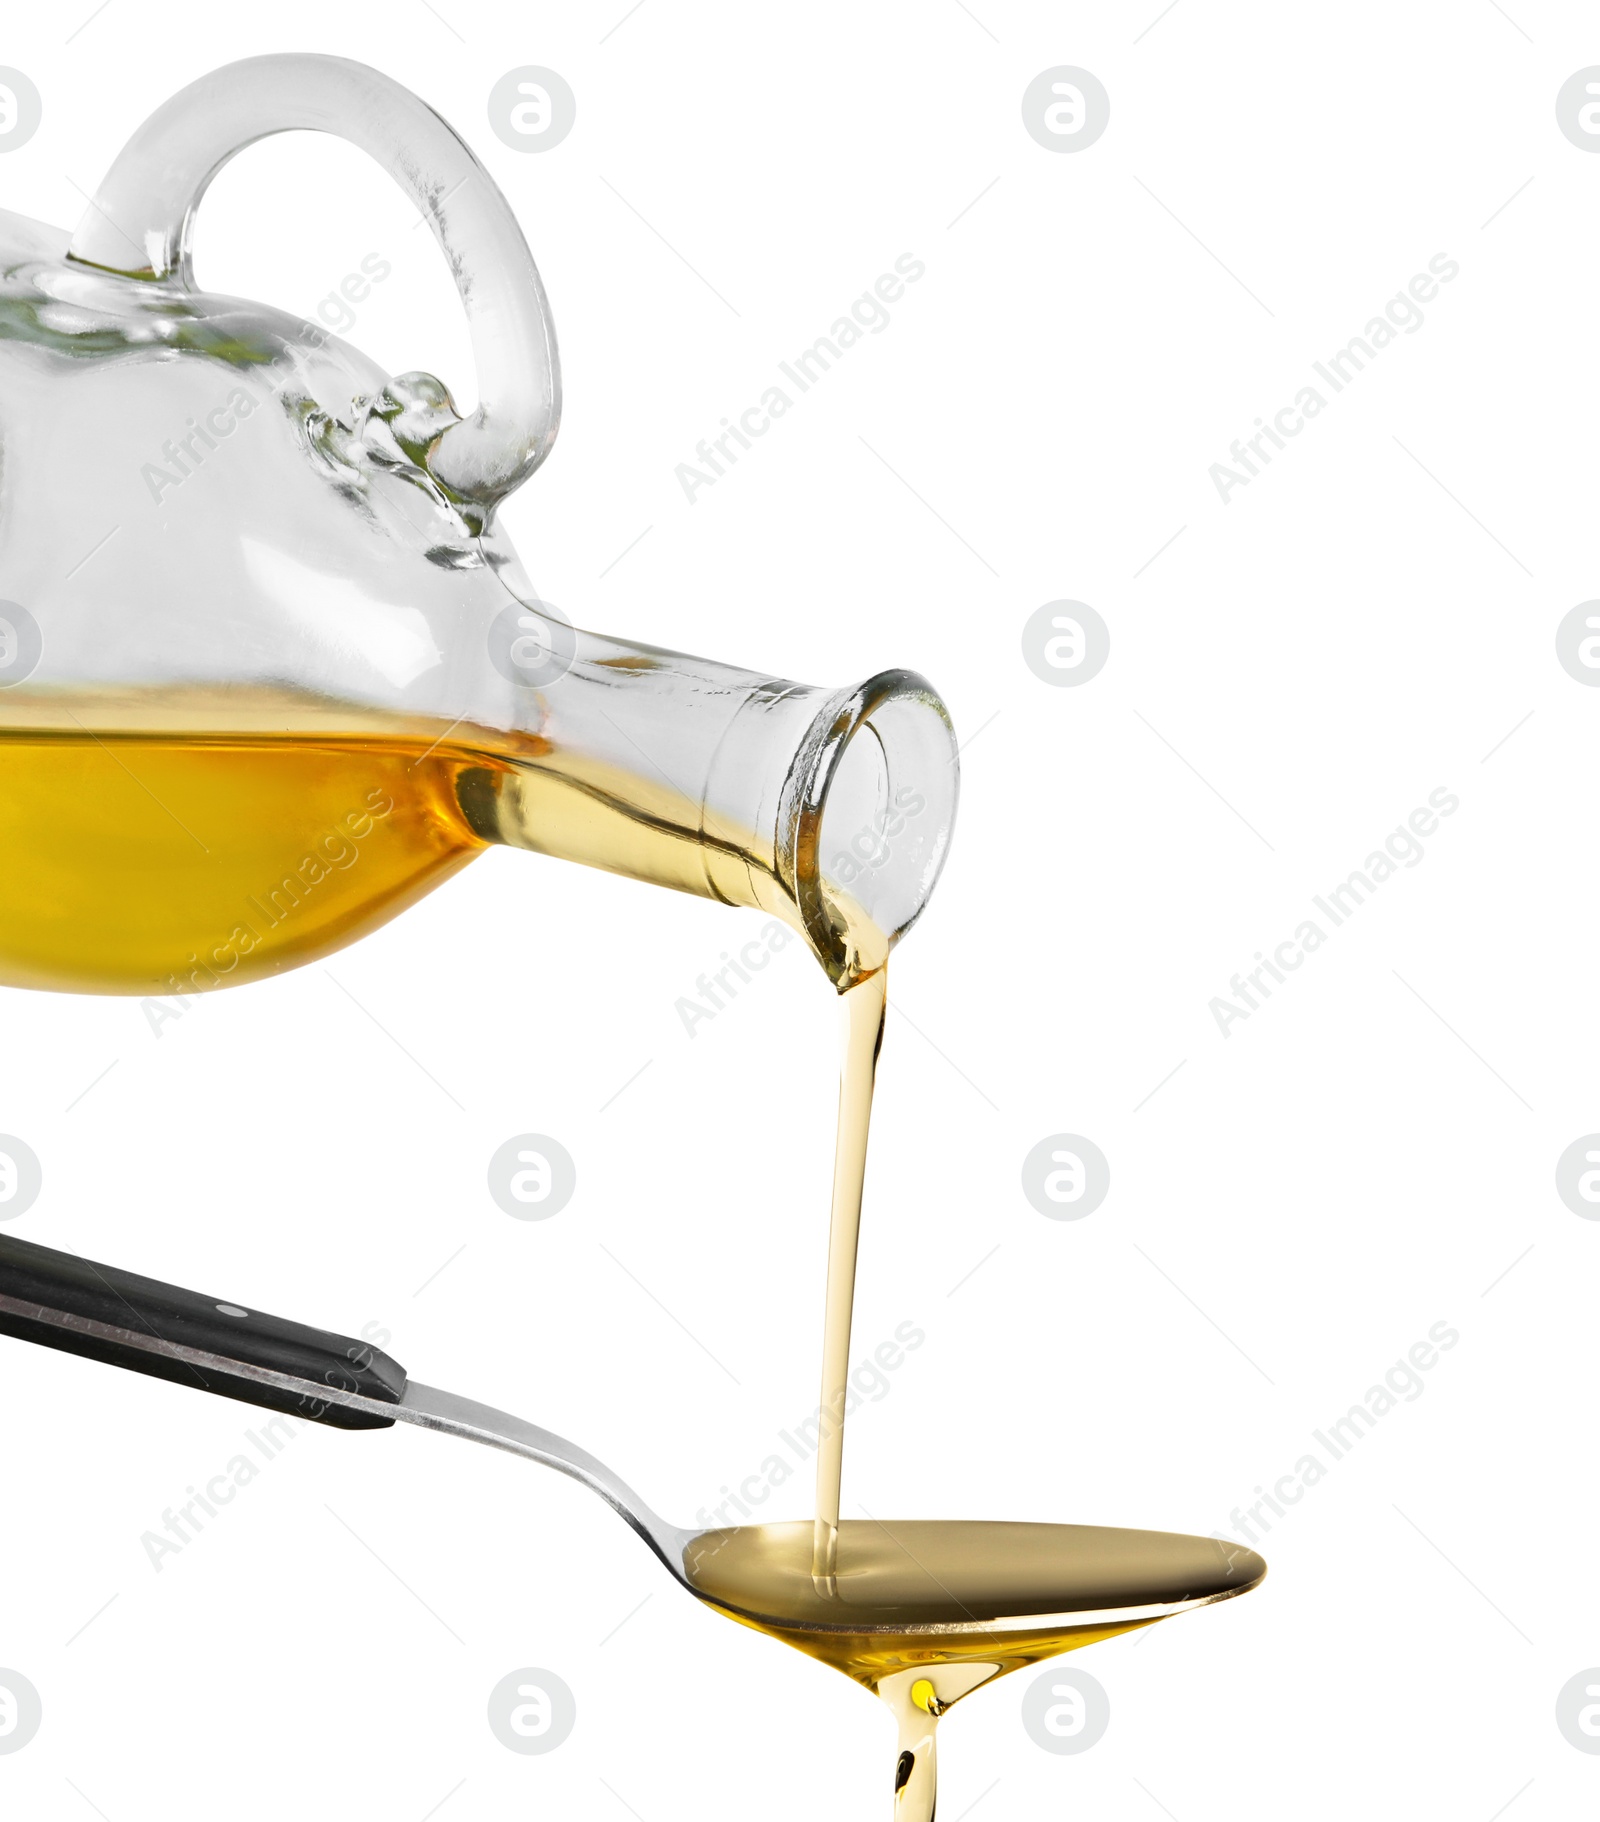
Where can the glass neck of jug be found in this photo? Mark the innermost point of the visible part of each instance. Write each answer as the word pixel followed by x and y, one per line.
pixel 831 809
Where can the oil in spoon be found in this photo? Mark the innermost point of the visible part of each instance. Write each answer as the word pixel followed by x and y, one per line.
pixel 923 1612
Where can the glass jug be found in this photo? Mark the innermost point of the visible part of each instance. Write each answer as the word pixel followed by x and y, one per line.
pixel 269 670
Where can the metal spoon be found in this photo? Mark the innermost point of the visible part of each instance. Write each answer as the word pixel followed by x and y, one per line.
pixel 912 1594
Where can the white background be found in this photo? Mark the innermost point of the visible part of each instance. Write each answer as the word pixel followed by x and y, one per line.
pixel 1289 1213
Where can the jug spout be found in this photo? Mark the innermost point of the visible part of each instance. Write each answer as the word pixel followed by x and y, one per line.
pixel 831 809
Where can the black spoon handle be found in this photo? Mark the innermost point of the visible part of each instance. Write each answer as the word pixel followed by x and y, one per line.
pixel 62 1301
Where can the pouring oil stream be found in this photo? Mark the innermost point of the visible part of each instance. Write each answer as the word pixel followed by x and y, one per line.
pixel 863 1007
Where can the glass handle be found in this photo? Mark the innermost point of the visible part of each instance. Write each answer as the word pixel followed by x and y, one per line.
pixel 141 224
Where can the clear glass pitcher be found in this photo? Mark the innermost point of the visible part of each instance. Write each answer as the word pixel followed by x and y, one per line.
pixel 269 670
